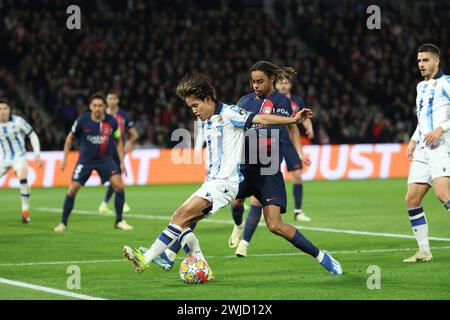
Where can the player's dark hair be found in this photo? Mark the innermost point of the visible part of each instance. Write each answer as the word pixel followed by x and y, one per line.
pixel 196 85
pixel 114 92
pixel 271 69
pixel 97 95
pixel 429 47
pixel 4 101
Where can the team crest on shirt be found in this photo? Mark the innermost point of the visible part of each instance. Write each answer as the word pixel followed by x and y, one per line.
pixel 267 107
pixel 219 119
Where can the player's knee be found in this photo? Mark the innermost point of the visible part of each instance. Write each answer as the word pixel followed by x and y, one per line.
pixel 442 195
pixel 73 190
pixel 275 227
pixel 297 177
pixel 412 201
pixel 237 203
pixel 118 188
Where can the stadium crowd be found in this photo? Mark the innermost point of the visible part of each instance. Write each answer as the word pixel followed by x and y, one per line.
pixel 360 82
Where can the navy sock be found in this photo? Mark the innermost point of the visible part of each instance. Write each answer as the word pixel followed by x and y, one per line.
pixel 447 205
pixel 252 222
pixel 109 193
pixel 304 244
pixel 67 208
pixel 177 244
pixel 298 195
pixel 118 204
pixel 237 214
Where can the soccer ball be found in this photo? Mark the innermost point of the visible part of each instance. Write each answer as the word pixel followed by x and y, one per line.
pixel 194 270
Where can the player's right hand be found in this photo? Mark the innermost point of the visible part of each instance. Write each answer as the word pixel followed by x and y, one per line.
pixel 303 114
pixel 63 164
pixel 410 150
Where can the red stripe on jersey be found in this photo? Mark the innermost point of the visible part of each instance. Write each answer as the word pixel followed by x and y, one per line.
pixel 266 107
pixel 295 107
pixel 105 133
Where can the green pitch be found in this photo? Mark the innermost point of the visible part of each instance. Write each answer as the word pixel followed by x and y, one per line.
pixel 35 255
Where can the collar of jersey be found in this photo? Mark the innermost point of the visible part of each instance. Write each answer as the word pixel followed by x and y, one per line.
pixel 438 75
pixel 219 106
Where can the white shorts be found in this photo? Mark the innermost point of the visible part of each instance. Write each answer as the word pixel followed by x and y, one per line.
pixel 219 192
pixel 430 163
pixel 17 164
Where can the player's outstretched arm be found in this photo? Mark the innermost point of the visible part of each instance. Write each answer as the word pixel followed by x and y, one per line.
pixel 67 146
pixel 133 138
pixel 34 140
pixel 119 146
pixel 268 119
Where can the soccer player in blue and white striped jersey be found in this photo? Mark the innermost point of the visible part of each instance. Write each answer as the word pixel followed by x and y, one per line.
pixel 13 130
pixel 223 127
pixel 429 148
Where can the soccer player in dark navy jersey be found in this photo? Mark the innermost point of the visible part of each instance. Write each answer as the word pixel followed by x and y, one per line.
pixel 269 189
pixel 96 132
pixel 126 126
pixel 293 154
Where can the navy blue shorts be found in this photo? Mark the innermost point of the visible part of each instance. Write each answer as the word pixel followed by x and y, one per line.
pixel 290 155
pixel 117 160
pixel 269 190
pixel 106 168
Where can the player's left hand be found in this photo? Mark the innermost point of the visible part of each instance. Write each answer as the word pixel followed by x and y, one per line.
pixel 123 169
pixel 303 114
pixel 306 159
pixel 38 161
pixel 128 147
pixel 431 138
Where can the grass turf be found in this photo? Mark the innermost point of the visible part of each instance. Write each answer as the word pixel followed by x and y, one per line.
pixel 274 268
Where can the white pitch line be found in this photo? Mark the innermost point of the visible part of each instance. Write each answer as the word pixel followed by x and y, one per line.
pixel 256 255
pixel 167 218
pixel 48 290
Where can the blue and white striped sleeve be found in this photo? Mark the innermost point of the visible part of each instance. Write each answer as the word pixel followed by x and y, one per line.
pixel 238 117
pixel 446 87
pixel 25 127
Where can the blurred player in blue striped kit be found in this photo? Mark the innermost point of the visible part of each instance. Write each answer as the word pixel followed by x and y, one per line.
pixel 13 130
pixel 126 127
pixel 96 131
pixel 224 127
pixel 429 148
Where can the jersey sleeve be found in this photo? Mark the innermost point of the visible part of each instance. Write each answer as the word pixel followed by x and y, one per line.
pixel 283 107
pixel 25 127
pixel 115 128
pixel 446 87
pixel 299 101
pixel 129 122
pixel 240 118
pixel 76 127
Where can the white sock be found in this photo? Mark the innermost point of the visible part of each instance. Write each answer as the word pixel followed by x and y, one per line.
pixel 164 240
pixel 419 226
pixel 25 194
pixel 188 238
pixel 320 256
pixel 244 243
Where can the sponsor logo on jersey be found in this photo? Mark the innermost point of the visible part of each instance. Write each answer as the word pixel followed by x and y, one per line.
pixel 97 139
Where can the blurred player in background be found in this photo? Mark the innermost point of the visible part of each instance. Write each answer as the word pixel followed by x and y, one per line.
pixel 294 156
pixel 13 130
pixel 429 148
pixel 96 131
pixel 284 86
pixel 126 126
